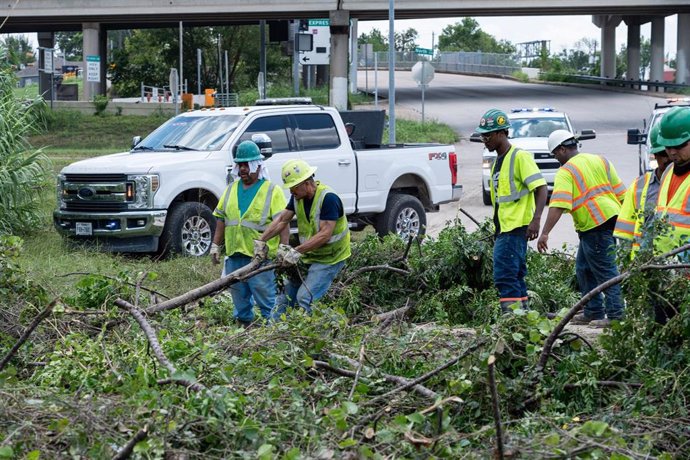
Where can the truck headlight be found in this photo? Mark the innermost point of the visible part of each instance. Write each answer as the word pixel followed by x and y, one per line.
pixel 60 191
pixel 141 189
pixel 486 163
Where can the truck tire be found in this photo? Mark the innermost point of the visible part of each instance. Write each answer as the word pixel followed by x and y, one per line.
pixel 486 197
pixel 188 230
pixel 404 216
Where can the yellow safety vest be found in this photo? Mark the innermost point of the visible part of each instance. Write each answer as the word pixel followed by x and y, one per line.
pixel 676 212
pixel 338 246
pixel 519 175
pixel 632 215
pixel 588 188
pixel 241 231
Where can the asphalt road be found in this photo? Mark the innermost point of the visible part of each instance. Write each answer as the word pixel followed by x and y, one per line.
pixel 460 101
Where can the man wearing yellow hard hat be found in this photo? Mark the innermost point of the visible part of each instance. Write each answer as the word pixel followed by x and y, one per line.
pixel 324 237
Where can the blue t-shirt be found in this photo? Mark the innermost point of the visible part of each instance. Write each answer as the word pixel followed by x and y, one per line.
pixel 245 196
pixel 331 208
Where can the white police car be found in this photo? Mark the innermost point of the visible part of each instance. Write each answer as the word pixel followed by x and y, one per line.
pixel 647 161
pixel 529 130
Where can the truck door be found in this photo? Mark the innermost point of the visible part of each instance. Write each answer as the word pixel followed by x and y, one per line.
pixel 320 145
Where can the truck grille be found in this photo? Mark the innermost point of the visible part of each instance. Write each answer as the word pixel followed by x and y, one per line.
pixel 87 178
pixel 96 192
pixel 95 206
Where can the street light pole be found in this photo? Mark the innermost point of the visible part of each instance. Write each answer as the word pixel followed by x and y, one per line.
pixel 391 72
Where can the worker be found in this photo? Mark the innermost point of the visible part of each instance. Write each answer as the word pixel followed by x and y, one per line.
pixel 245 209
pixel 673 204
pixel 588 187
pixel 518 195
pixel 324 237
pixel 640 200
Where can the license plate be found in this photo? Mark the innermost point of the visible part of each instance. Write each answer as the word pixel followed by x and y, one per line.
pixel 83 228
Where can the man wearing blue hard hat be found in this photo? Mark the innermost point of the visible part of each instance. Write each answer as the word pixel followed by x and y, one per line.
pixel 244 211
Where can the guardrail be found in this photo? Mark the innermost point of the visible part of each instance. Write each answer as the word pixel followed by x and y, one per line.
pixel 623 83
pixel 159 94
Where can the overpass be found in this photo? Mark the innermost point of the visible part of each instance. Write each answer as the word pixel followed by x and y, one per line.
pixel 95 17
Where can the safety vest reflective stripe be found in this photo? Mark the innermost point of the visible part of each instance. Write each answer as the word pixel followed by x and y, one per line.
pixel 261 226
pixel 587 196
pixel 514 194
pixel 625 226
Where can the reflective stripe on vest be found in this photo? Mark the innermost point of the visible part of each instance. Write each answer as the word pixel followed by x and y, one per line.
pixel 676 212
pixel 514 194
pixel 588 196
pixel 317 221
pixel 261 226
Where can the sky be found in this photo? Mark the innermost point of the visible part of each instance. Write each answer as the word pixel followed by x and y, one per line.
pixel 563 31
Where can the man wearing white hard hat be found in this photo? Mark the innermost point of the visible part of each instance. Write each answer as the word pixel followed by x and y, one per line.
pixel 324 237
pixel 589 189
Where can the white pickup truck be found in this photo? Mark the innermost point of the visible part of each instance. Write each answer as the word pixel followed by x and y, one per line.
pixel 159 196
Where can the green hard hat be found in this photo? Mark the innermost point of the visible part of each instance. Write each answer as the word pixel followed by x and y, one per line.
pixel 674 127
pixel 247 151
pixel 493 120
pixel 653 135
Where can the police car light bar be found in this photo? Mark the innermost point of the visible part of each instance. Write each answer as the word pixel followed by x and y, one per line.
pixel 533 109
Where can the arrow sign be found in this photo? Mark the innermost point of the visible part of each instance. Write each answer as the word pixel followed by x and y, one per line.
pixel 305 59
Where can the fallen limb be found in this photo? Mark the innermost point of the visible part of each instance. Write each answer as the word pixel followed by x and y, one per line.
pixel 27 332
pixel 385 319
pixel 128 448
pixel 496 409
pixel 470 217
pixel 419 389
pixel 157 350
pixel 115 279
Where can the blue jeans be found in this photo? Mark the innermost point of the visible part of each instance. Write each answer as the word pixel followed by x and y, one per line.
pixel 595 264
pixel 510 268
pixel 260 288
pixel 316 283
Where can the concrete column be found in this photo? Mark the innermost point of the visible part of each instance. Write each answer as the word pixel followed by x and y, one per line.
pixel 683 56
pixel 633 53
pixel 340 30
pixel 656 71
pixel 45 40
pixel 607 24
pixel 354 58
pixel 92 40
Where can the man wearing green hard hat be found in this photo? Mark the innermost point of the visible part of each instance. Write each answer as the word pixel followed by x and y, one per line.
pixel 518 194
pixel 324 237
pixel 640 199
pixel 245 209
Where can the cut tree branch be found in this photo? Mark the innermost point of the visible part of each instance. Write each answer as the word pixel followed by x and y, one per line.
pixel 128 448
pixel 27 332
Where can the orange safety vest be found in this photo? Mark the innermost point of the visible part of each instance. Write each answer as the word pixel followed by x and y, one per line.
pixel 675 211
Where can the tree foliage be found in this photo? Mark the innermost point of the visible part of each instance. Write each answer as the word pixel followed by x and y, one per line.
pixel 18 50
pixel 22 170
pixel 376 38
pixel 468 36
pixel 71 44
pixel 148 55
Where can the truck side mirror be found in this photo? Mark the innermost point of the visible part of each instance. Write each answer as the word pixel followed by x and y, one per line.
pixel 135 141
pixel 475 137
pixel 263 141
pixel 586 134
pixel 635 137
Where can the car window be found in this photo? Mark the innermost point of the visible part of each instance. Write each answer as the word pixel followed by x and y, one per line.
pixel 316 131
pixel 536 127
pixel 277 129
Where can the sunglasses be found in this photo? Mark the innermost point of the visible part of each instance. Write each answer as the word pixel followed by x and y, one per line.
pixel 487 136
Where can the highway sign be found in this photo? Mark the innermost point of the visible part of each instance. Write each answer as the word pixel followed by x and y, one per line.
pixel 93 68
pixel 321 51
pixel 48 60
pixel 426 51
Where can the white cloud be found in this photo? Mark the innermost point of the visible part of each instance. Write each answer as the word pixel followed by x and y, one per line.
pixel 563 31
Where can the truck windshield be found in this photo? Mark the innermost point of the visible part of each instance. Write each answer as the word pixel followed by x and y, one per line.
pixel 201 132
pixel 536 127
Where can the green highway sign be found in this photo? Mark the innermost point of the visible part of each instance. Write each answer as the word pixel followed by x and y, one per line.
pixel 319 22
pixel 428 51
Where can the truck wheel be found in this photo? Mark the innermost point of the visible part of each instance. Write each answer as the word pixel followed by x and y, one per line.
pixel 486 197
pixel 404 216
pixel 188 229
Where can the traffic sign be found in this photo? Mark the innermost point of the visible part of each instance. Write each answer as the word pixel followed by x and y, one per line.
pixel 93 68
pixel 48 60
pixel 321 51
pixel 426 51
pixel 423 72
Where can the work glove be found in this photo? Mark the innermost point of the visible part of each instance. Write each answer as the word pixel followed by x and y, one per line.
pixel 215 254
pixel 260 250
pixel 287 255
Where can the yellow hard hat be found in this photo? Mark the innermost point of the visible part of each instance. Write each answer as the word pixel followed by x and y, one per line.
pixel 295 172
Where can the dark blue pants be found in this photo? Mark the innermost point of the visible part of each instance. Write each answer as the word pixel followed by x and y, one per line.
pixel 510 269
pixel 595 264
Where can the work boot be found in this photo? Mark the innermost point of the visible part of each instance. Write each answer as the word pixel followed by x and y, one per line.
pixel 600 323
pixel 581 319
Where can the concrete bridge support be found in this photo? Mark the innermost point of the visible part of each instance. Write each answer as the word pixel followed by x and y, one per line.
pixel 340 30
pixel 633 51
pixel 683 47
pixel 656 60
pixel 45 40
pixel 607 23
pixel 94 45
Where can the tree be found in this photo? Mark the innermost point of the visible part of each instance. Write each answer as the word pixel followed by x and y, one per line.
pixel 645 60
pixel 467 36
pixel 71 44
pixel 18 50
pixel 376 38
pixel 22 171
pixel 406 40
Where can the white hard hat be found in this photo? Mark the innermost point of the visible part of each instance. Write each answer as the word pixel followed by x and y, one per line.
pixel 558 137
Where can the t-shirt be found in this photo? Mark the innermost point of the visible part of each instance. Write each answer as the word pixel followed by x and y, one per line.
pixel 676 180
pixel 245 196
pixel 331 208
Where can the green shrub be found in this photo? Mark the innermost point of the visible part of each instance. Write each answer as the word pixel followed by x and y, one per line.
pixel 100 102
